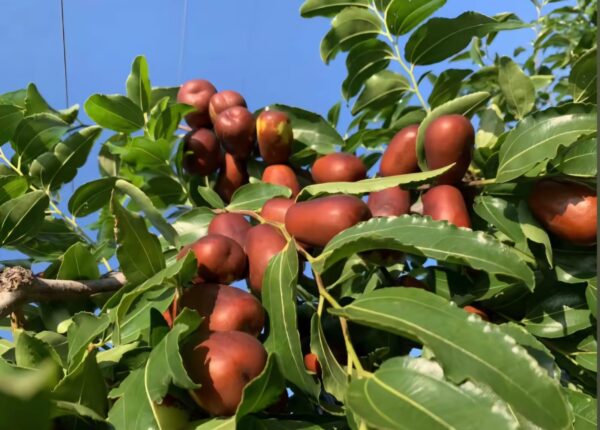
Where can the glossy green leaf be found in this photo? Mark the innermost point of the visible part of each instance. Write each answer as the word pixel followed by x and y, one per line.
pixel 278 298
pixel 138 83
pixel 335 380
pixel 350 26
pixel 433 239
pixel 579 159
pixel 52 240
pixel 491 126
pixel 467 348
pixel 31 352
pixel 35 103
pixel 115 112
pixel 333 115
pixel 447 86
pixel 132 411
pixel 37 134
pixel 464 105
pixel 192 225
pixel 591 297
pixel 164 191
pixel 538 138
pixel 500 213
pixel 312 8
pixel 585 410
pixel 253 196
pixel 211 197
pixel 402 16
pixel 10 116
pixel 78 263
pixel 382 89
pixel 158 93
pixel 146 153
pixel 363 61
pixel 84 329
pixel 59 166
pixel 91 197
pixel 533 230
pixel 575 265
pixel 22 217
pixel 582 80
pixel 559 315
pixel 517 88
pixel 12 187
pixel 164 120
pixel 16 98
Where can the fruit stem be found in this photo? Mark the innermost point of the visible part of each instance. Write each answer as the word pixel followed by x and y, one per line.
pixel 481 182
pixel 321 305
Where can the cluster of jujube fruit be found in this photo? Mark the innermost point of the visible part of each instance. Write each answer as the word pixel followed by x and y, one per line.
pixel 225 354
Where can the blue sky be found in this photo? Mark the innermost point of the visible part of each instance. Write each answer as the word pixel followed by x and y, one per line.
pixel 261 48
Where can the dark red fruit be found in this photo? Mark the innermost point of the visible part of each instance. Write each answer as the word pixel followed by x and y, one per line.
pixel 275 209
pixel 236 129
pixel 234 226
pixel 263 243
pixel 445 202
pixel 202 152
pixel 392 201
pixel 223 100
pixel 338 167
pixel 275 136
pixel 233 174
pixel 197 93
pixel 400 157
pixel 281 174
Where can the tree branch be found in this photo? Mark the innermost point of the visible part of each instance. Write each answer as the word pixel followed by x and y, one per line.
pixel 19 286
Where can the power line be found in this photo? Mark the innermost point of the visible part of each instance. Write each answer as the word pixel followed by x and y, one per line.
pixel 183 37
pixel 64 46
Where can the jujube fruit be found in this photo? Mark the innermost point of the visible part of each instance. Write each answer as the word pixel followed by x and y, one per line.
pixel 478 312
pixel 392 201
pixel 412 282
pixel 223 364
pixel 311 362
pixel 338 167
pixel 449 139
pixel 317 221
pixel 236 129
pixel 445 202
pixel 223 100
pixel 219 259
pixel 275 136
pixel 202 152
pixel 281 174
pixel 233 174
pixel 225 308
pixel 400 157
pixel 275 209
pixel 262 243
pixel 566 209
pixel 197 93
pixel 232 225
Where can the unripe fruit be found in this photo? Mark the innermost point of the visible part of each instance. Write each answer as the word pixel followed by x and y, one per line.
pixel 263 243
pixel 449 139
pixel 223 364
pixel 316 222
pixel 445 202
pixel 236 129
pixel 275 209
pixel 478 312
pixel 281 174
pixel 275 136
pixel 392 201
pixel 202 152
pixel 197 93
pixel 223 100
pixel 311 362
pixel 225 308
pixel 219 259
pixel 338 167
pixel 234 226
pixel 233 174
pixel 566 209
pixel 400 157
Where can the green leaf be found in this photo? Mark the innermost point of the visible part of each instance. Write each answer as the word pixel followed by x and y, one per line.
pixel 164 120
pixel 582 80
pixel 84 329
pixel 138 83
pixel 464 105
pixel 142 152
pixel 12 187
pixel 58 167
pixel 132 411
pixel 382 89
pixel 91 197
pixel 491 126
pixel 578 159
pixel 115 112
pixel 335 380
pixel 327 8
pixel 559 315
pixel 139 253
pixel 363 61
pixel 433 239
pixel 350 26
pixel 591 297
pixel 402 16
pixel 585 410
pixel 517 88
pixel 22 217
pixel 502 214
pixel 440 38
pixel 333 115
pixel 253 196
pixel 447 86
pixel 278 298
pixel 533 230
pixel 10 116
pixel 211 197
pixel 51 241
pixel 78 263
pixel 575 265
pixel 396 393
pixel 16 98
pixel 31 352
pixel 164 191
pixel 411 180
pixel 37 134
pixel 192 225
pixel 35 103
pixel 538 138
pixel 467 348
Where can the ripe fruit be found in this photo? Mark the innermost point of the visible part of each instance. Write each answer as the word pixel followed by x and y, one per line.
pixel 478 312
pixel 223 100
pixel 275 136
pixel 197 93
pixel 400 157
pixel 412 282
pixel 281 174
pixel 392 201
pixel 315 222
pixel 275 209
pixel 311 362
pixel 445 202
pixel 449 139
pixel 223 364
pixel 234 226
pixel 220 259
pixel 236 129
pixel 225 308
pixel 232 175
pixel 202 152
pixel 338 167
pixel 566 209
pixel 262 243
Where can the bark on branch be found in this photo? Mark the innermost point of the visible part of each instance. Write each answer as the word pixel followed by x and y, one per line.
pixel 19 286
